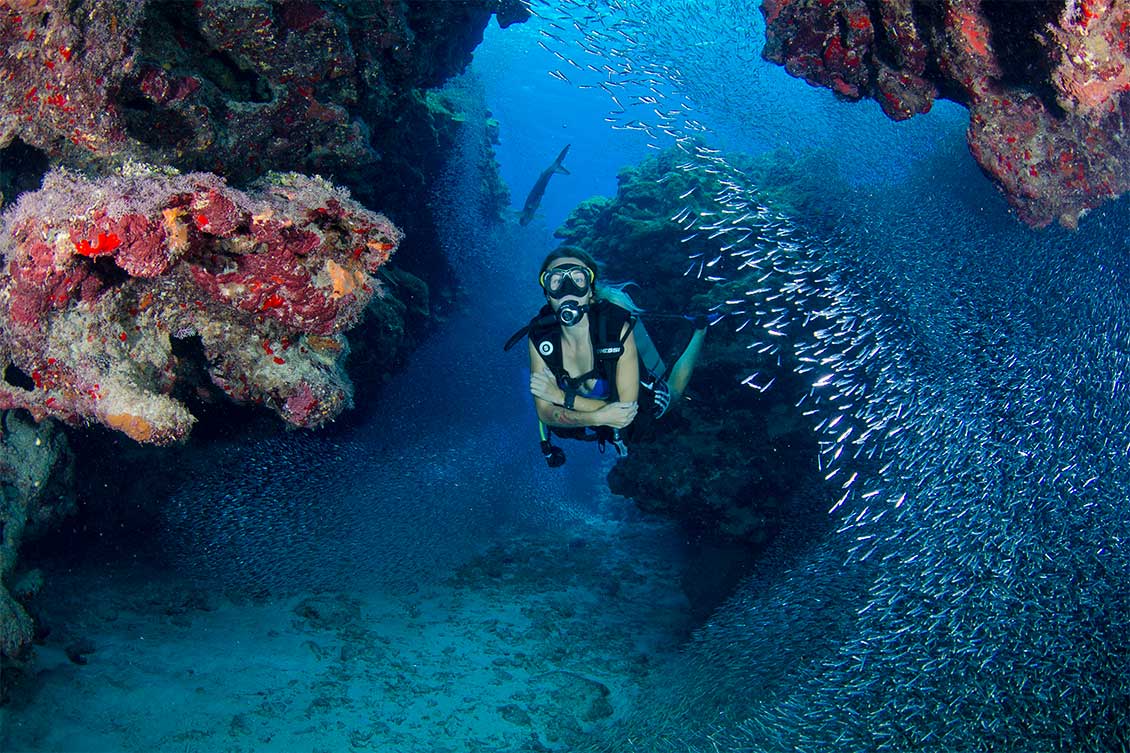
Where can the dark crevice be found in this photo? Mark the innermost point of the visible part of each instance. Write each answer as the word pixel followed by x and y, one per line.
pixel 173 35
pixel 929 20
pixel 150 123
pixel 1016 34
pixel 886 51
pixel 1016 30
pixel 22 168
pixel 215 260
pixel 191 347
pixel 217 416
pixel 14 376
pixel 173 47
pixel 109 272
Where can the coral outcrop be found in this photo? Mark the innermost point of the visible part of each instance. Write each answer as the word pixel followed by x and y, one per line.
pixel 104 277
pixel 730 461
pixel 1047 84
pixel 240 88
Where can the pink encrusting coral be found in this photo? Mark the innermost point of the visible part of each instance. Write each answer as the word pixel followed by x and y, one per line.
pixel 102 276
pixel 1092 55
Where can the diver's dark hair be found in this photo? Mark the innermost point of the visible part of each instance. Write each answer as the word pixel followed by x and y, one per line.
pixel 562 252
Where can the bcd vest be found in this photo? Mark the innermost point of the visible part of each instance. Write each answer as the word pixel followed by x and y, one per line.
pixel 606 321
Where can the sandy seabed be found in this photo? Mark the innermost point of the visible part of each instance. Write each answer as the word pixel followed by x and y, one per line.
pixel 534 645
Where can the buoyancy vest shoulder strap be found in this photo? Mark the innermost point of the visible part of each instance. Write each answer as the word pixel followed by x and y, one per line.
pixel 608 343
pixel 545 334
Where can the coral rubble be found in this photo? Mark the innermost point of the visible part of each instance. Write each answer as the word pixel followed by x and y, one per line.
pixel 1046 83
pixel 102 277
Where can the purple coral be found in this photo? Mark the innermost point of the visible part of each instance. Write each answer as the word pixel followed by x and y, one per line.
pixel 102 276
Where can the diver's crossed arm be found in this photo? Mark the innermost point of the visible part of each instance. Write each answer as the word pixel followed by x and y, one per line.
pixel 544 386
pixel 549 401
pixel 628 368
pixel 616 415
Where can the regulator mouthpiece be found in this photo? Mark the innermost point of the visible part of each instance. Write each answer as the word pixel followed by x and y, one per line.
pixel 570 313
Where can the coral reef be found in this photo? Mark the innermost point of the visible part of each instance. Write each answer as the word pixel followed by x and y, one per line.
pixel 1047 88
pixel 103 277
pixel 37 489
pixel 730 460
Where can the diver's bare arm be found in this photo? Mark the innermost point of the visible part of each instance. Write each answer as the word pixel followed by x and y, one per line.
pixel 555 415
pixel 628 370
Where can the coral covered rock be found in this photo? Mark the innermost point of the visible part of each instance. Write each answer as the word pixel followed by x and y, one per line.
pixel 103 277
pixel 730 461
pixel 1047 84
pixel 60 73
pixel 242 87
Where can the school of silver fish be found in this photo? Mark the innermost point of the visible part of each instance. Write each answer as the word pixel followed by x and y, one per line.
pixel 968 386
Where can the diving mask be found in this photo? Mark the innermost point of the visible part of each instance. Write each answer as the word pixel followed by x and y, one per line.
pixel 572 279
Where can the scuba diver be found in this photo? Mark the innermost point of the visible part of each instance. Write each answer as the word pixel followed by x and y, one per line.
pixel 594 372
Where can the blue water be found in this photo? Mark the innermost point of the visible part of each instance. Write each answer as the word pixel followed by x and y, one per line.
pixel 1008 477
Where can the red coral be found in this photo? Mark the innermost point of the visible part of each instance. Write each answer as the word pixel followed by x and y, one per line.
pixel 302 404
pixel 144 251
pixel 216 213
pixel 105 244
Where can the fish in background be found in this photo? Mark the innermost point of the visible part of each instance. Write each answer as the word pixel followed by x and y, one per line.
pixel 973 596
pixel 533 200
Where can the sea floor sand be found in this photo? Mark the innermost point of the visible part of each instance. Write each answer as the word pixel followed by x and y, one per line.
pixel 534 645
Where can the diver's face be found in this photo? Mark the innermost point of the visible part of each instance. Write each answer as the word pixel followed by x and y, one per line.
pixel 567 279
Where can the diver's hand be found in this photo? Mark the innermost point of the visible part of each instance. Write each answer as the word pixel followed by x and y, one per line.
pixel 544 386
pixel 617 415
